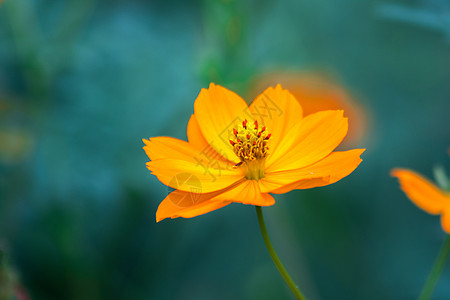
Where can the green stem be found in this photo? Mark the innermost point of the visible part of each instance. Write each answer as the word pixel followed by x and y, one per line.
pixel 275 258
pixel 436 271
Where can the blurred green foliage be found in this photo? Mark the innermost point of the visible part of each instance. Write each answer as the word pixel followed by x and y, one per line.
pixel 6 285
pixel 81 82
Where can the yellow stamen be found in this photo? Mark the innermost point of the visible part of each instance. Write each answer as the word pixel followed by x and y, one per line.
pixel 251 146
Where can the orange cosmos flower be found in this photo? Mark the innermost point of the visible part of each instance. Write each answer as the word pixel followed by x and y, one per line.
pixel 241 153
pixel 425 195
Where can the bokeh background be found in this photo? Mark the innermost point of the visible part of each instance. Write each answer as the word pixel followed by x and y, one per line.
pixel 82 82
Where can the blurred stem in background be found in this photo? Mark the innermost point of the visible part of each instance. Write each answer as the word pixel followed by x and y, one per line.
pixel 223 57
pixel 436 271
pixel 275 258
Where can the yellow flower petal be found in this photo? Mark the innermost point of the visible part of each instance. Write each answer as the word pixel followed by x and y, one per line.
pixel 332 168
pixel 187 205
pixel 194 134
pixel 170 148
pixel 316 136
pixel 445 219
pixel 278 110
pixel 210 177
pixel 248 192
pixel 303 184
pixel 196 138
pixel 217 111
pixel 167 147
pixel 421 191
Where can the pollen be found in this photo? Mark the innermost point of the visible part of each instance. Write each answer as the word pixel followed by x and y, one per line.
pixel 250 144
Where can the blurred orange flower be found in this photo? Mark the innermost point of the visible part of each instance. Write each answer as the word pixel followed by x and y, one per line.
pixel 241 153
pixel 317 92
pixel 425 195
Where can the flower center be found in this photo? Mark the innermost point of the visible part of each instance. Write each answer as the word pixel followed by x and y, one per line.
pixel 251 147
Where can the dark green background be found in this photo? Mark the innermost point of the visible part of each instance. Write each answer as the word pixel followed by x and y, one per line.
pixel 82 82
